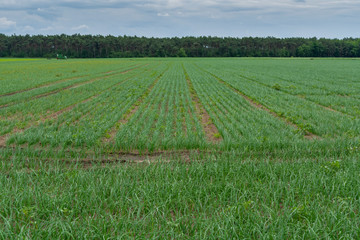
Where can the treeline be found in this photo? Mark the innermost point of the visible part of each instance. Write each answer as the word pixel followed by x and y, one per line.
pixel 89 46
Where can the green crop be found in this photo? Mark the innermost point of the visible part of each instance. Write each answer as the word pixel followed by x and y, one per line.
pixel 180 148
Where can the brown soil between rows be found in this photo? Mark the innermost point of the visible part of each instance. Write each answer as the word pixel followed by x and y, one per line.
pixel 335 111
pixel 211 131
pixel 53 83
pixel 122 121
pixel 42 86
pixel 74 86
pixel 3 141
pixel 308 135
pixel 86 82
pixel 3 138
pixel 324 107
pixel 58 113
pixel 131 159
pixel 133 109
pixel 163 157
pixel 55 115
pixel 331 109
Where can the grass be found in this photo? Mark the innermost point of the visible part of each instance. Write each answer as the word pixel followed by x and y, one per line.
pixel 215 196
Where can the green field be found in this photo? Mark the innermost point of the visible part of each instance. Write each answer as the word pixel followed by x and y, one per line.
pixel 180 148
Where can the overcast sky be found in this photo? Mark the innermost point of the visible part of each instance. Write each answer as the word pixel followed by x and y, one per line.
pixel 168 18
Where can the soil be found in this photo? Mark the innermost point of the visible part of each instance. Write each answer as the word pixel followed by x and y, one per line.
pixel 3 141
pixel 42 86
pixel 209 128
pixel 308 135
pixel 68 87
pixel 133 110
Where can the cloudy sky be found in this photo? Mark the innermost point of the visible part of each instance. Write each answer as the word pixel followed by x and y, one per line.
pixel 168 18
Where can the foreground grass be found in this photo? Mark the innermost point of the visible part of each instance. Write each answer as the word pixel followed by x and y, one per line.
pixel 210 197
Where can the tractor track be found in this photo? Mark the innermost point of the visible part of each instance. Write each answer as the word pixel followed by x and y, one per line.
pixel 209 127
pixel 255 104
pixel 53 116
pixel 132 110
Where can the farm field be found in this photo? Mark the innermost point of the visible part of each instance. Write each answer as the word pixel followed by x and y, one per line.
pixel 180 148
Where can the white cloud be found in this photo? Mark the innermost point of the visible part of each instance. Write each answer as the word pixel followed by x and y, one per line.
pixel 163 14
pixel 6 24
pixel 81 27
pixel 46 29
pixel 28 28
pixel 335 18
pixel 43 7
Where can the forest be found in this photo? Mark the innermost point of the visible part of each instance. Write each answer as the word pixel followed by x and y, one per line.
pixel 98 46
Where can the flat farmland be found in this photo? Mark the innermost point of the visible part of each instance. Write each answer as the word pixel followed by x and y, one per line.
pixel 257 147
pixel 152 105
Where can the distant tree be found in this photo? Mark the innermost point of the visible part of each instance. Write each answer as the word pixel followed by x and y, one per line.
pixel 89 46
pixel 181 52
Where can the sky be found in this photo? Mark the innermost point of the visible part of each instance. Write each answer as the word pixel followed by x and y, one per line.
pixel 177 18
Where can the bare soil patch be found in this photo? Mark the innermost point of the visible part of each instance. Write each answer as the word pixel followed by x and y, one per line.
pixel 137 158
pixel 3 141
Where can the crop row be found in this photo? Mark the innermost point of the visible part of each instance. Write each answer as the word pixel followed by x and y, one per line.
pixel 166 119
pixel 238 121
pixel 24 113
pixel 63 84
pixel 16 77
pixel 307 115
pixel 67 102
pixel 333 88
pixel 85 124
pixel 147 105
